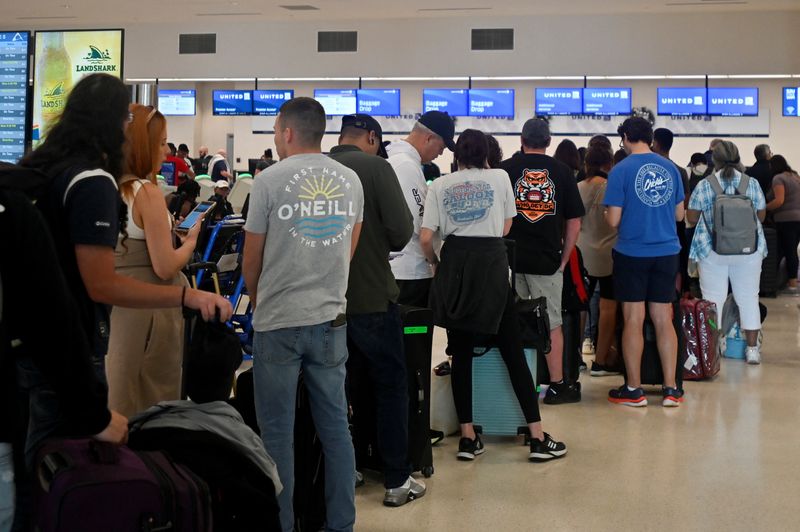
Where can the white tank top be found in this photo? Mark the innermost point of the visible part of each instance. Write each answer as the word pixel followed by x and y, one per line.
pixel 133 230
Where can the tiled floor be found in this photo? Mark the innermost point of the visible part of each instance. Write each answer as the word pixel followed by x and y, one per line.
pixel 728 459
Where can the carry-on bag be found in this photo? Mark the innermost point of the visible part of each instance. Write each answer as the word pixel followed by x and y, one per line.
pixel 699 326
pixel 417 326
pixel 768 286
pixel 92 486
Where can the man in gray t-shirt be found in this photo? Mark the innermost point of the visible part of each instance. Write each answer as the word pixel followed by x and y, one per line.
pixel 302 229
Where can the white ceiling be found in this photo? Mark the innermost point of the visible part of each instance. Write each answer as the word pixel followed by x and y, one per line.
pixel 86 13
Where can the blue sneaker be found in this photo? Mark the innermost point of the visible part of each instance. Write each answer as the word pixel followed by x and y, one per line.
pixel 624 396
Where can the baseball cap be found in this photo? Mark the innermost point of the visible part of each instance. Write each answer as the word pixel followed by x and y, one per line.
pixel 362 121
pixel 441 124
pixel 221 184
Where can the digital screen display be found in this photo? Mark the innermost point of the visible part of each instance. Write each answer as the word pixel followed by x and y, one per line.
pixel 268 103
pixel 179 102
pixel 62 59
pixel 553 102
pixel 337 102
pixel 455 102
pixel 379 102
pixel 730 101
pixel 13 94
pixel 491 102
pixel 168 172
pixel 790 101
pixel 232 103
pixel 682 101
pixel 608 102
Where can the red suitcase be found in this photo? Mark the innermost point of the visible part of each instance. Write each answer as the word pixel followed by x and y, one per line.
pixel 699 326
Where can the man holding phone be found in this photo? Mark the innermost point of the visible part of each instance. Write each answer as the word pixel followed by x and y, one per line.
pixel 302 229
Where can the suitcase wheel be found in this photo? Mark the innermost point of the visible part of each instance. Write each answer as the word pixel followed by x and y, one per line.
pixel 427 471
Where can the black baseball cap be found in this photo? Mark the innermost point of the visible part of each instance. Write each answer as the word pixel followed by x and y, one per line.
pixel 441 124
pixel 362 121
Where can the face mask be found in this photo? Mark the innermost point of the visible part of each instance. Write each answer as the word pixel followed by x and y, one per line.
pixel 700 169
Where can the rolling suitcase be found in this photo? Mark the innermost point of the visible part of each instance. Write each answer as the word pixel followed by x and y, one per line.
pixel 309 460
pixel 768 287
pixel 699 327
pixel 93 487
pixel 417 344
pixel 495 409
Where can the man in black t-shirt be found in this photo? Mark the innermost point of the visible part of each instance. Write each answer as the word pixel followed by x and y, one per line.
pixel 546 227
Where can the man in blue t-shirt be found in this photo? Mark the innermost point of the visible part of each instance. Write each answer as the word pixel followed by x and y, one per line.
pixel 644 200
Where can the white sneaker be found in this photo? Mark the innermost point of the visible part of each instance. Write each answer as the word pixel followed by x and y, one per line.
pixel 753 355
pixel 588 347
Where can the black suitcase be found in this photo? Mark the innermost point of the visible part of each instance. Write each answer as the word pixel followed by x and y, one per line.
pixel 652 374
pixel 769 268
pixel 572 356
pixel 417 343
pixel 309 461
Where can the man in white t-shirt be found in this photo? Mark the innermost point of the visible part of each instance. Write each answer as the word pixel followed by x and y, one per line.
pixel 431 135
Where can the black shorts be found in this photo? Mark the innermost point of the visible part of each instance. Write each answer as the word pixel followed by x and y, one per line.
pixel 650 279
pixel 606 286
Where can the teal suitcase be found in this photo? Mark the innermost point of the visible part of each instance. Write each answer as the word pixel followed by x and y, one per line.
pixel 495 408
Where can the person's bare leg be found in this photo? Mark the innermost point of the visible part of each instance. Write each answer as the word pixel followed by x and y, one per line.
pixel 633 342
pixel 606 329
pixel 536 430
pixel 667 340
pixel 468 431
pixel 555 358
pixel 751 337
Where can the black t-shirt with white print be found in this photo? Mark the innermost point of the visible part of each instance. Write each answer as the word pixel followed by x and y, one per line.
pixel 546 195
pixel 86 214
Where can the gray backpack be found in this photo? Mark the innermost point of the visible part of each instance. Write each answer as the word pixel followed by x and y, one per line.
pixel 735 230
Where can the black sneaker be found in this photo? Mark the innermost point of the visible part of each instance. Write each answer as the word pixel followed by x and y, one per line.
pixel 599 370
pixel 624 396
pixel 549 449
pixel 671 396
pixel 469 449
pixel 566 392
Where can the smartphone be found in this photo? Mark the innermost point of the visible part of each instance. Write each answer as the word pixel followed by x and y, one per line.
pixel 194 216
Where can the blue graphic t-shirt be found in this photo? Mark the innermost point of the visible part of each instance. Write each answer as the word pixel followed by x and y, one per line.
pixel 647 187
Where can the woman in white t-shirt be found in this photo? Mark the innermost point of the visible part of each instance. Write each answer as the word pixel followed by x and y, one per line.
pixel 472 210
pixel 146 345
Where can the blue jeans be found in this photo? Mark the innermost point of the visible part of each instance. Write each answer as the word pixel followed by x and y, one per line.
pixel 6 487
pixel 321 352
pixel 377 373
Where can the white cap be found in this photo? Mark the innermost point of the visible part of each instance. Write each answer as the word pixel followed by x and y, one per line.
pixel 221 184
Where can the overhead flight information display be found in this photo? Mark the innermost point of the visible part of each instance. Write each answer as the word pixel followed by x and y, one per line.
pixel 337 102
pixel 491 102
pixel 13 94
pixel 554 102
pixel 452 101
pixel 379 102
pixel 733 101
pixel 605 101
pixel 790 101
pixel 682 101
pixel 179 102
pixel 232 103
pixel 268 103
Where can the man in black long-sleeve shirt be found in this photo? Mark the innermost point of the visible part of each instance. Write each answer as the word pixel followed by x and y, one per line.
pixel 374 330
pixel 761 170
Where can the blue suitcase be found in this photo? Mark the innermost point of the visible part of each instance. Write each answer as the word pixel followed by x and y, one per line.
pixel 495 409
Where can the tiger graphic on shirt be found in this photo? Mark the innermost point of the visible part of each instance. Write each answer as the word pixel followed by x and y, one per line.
pixel 535 195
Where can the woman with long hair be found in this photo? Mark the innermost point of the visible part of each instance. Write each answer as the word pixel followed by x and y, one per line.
pixel 472 210
pixel 145 349
pixel 596 240
pixel 567 153
pixel 786 213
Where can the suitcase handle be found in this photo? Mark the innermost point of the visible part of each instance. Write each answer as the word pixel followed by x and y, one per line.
pixel 50 466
